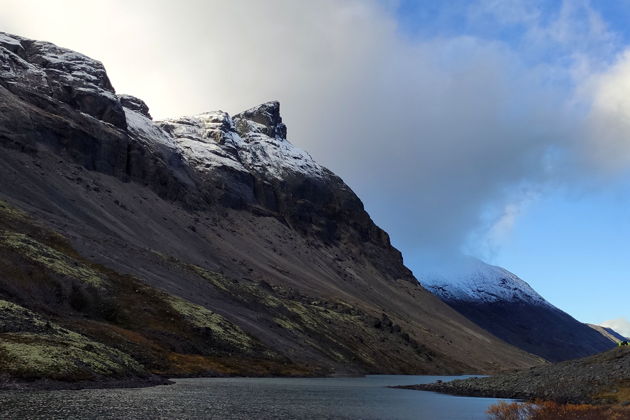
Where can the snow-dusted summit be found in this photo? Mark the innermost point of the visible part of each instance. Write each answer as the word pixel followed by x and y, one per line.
pixel 508 307
pixel 472 280
pixel 252 141
pixel 46 71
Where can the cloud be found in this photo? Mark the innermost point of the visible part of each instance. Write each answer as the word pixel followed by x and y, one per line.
pixel 561 31
pixel 607 136
pixel 490 235
pixel 620 325
pixel 429 132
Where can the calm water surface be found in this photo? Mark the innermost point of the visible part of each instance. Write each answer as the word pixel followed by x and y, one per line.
pixel 250 398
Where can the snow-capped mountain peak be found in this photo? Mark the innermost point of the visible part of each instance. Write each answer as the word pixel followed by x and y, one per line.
pixel 252 141
pixel 472 280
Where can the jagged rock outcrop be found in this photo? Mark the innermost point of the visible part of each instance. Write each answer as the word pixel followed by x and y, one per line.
pixel 254 166
pixel 135 104
pixel 41 71
pixel 263 119
pixel 218 212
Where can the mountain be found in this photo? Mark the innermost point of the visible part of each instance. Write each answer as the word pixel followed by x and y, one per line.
pixel 620 325
pixel 201 245
pixel 509 308
pixel 609 333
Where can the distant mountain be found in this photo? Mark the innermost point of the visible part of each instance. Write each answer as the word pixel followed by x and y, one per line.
pixel 609 333
pixel 621 325
pixel 200 245
pixel 508 307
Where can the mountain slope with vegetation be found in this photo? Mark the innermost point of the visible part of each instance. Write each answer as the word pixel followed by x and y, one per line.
pixel 203 245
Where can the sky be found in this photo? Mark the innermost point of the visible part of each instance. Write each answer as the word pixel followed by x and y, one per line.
pixel 493 128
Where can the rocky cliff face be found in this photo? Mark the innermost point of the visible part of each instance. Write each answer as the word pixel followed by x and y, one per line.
pixel 43 72
pixel 206 244
pixel 508 307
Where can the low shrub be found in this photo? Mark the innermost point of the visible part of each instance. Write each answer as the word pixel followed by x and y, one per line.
pixel 549 410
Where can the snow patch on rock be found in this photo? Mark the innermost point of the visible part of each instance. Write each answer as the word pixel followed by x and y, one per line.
pixel 144 128
pixel 277 157
pixel 212 140
pixel 207 141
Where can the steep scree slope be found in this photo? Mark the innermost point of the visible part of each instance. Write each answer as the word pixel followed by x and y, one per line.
pixel 200 245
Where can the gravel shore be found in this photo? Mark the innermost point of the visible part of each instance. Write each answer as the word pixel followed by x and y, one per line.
pixel 597 379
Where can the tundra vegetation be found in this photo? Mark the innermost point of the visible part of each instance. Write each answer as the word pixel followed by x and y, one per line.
pixel 65 318
pixel 549 410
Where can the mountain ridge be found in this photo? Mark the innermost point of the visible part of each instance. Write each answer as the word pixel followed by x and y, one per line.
pixel 202 257
pixel 507 306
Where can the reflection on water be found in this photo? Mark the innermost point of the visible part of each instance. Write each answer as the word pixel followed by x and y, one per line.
pixel 250 398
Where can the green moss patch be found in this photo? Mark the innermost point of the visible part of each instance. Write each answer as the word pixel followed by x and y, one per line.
pixel 50 258
pixel 46 350
pixel 220 328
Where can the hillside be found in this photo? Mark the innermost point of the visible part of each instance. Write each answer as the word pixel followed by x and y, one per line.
pixel 609 333
pixel 508 307
pixel 201 245
pixel 603 378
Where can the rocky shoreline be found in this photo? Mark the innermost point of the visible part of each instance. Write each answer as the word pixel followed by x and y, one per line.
pixel 603 378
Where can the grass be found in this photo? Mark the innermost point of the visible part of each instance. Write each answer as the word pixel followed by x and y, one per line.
pixel 215 324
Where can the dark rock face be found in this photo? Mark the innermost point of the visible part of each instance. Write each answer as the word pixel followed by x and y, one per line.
pixel 245 162
pixel 268 115
pixel 30 128
pixel 55 99
pixel 135 104
pixel 34 68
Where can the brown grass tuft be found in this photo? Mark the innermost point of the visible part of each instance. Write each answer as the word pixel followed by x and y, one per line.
pixel 549 410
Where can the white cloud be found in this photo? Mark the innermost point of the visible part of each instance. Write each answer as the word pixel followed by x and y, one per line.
pixel 503 226
pixel 620 325
pixel 607 136
pixel 565 31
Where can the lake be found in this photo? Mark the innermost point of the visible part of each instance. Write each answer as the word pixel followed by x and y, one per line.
pixel 251 398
